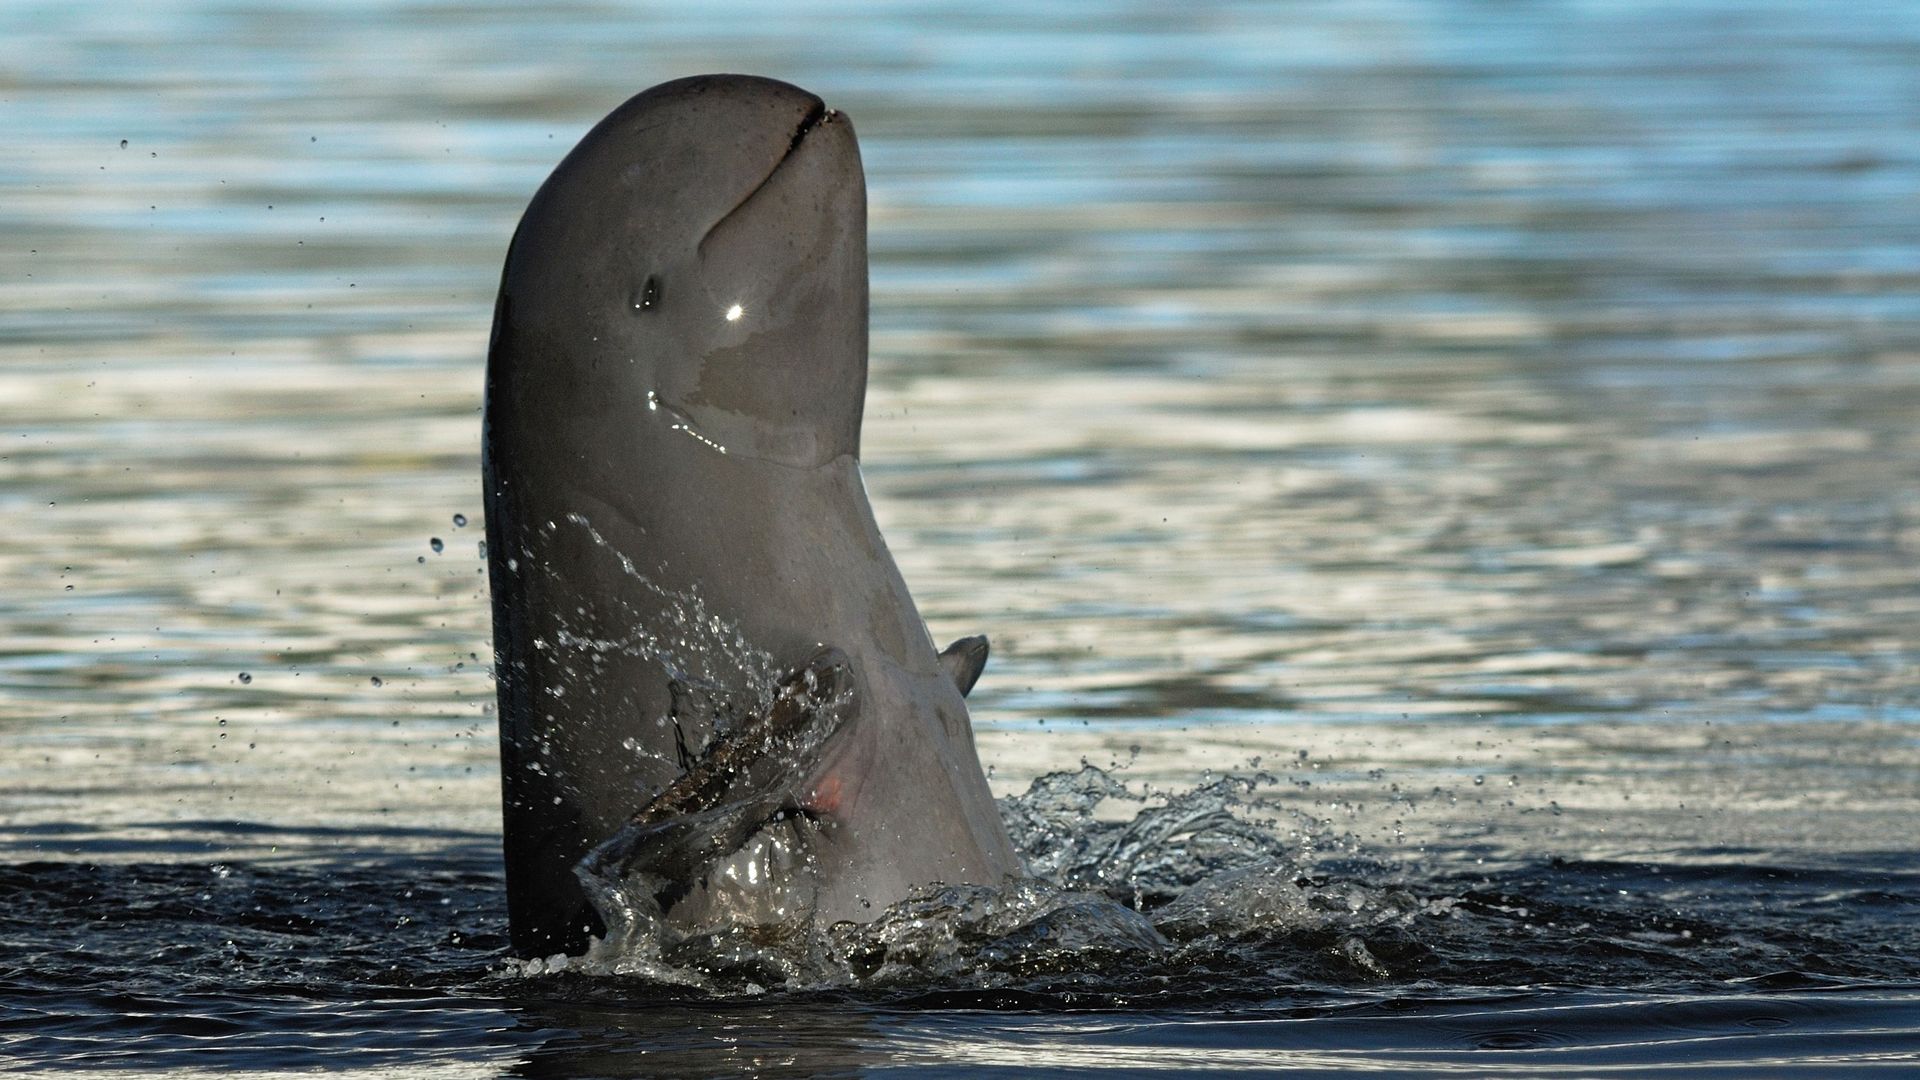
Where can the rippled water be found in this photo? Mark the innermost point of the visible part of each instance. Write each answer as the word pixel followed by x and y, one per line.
pixel 1490 421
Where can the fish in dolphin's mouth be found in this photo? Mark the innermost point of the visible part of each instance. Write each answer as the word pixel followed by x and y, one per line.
pixel 743 799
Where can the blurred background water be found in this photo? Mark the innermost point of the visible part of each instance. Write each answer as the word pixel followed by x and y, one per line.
pixel 1493 418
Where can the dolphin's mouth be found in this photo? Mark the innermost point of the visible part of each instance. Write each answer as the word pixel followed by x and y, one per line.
pixel 816 116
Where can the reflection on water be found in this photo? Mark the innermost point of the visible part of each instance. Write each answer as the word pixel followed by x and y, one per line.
pixel 1495 418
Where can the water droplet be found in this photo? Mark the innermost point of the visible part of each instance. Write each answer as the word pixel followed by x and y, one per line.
pixel 245 678
pixel 376 681
pixel 483 549
pixel 434 543
pixel 1479 780
pixel 459 521
pixel 123 144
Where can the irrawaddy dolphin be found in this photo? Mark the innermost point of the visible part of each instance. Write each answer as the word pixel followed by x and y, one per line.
pixel 699 632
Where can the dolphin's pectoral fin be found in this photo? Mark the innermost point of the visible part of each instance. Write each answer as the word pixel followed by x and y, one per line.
pixel 964 660
pixel 729 791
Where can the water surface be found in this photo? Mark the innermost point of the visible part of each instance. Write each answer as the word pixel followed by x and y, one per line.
pixel 1492 421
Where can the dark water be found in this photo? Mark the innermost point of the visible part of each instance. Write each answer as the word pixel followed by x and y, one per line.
pixel 1480 429
pixel 1551 966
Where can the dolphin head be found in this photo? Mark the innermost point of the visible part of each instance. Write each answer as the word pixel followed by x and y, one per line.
pixel 698 264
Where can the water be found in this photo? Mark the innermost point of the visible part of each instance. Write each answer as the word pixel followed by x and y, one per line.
pixel 1490 421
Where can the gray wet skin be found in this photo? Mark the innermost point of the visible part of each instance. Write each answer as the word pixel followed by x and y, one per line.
pixel 676 376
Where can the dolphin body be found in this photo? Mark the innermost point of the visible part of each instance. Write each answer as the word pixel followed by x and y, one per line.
pixel 677 529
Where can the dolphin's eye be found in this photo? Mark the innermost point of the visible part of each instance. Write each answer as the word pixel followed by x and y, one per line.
pixel 647 297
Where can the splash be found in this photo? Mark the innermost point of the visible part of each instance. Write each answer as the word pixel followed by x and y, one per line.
pixel 1115 873
pixel 1172 878
pixel 1223 892
pixel 716 674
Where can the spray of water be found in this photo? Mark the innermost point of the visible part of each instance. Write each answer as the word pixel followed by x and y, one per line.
pixel 1113 871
